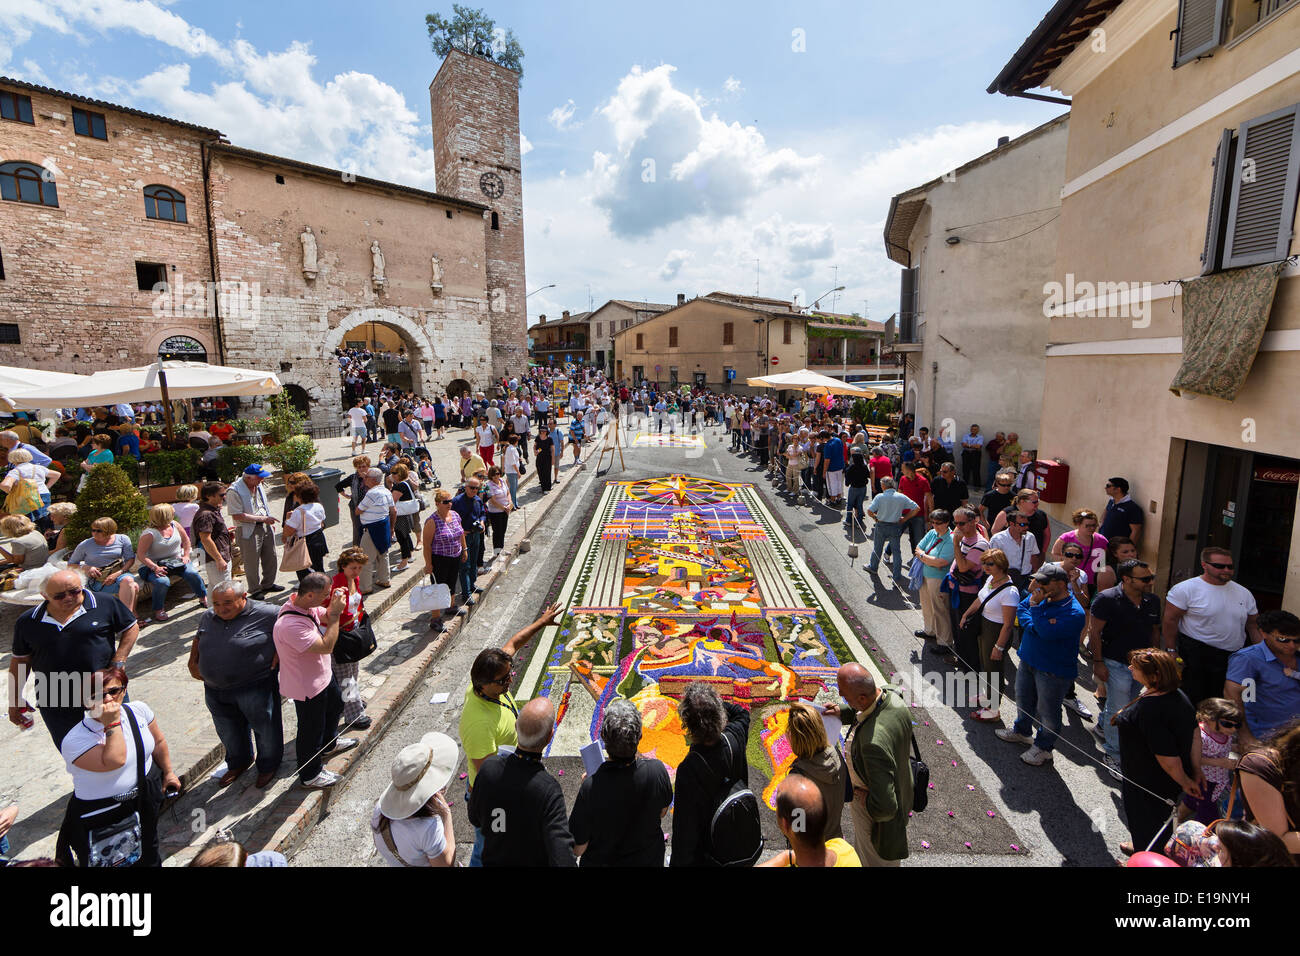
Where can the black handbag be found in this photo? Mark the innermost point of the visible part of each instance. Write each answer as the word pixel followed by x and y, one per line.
pixel 920 779
pixel 356 644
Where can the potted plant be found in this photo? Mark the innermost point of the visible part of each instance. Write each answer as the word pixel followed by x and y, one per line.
pixel 297 453
pixel 108 494
pixel 233 459
pixel 168 470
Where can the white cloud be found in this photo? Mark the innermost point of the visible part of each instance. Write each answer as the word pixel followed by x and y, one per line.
pixel 525 145
pixel 732 86
pixel 672 163
pixel 673 263
pixel 561 117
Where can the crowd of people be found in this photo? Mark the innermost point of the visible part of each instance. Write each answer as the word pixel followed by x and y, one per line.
pixel 1199 694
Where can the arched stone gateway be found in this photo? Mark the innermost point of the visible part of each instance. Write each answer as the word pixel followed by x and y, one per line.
pixel 457 387
pixel 423 361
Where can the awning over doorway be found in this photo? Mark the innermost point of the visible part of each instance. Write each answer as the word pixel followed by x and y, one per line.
pixel 1224 317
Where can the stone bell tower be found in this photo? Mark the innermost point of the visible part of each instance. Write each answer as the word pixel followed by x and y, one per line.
pixel 475 107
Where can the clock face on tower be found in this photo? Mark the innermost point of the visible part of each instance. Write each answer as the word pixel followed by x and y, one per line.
pixel 493 186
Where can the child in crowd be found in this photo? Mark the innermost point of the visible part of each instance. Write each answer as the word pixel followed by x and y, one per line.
pixel 1211 748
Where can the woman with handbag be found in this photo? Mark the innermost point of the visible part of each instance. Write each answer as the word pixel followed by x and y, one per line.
pixel 400 485
pixel 935 554
pixel 27 487
pixel 996 606
pixel 355 635
pixel 304 527
pixel 498 508
pixel 121 775
pixel 444 545
pixel 164 552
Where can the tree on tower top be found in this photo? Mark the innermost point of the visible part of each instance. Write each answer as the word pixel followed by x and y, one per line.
pixel 475 33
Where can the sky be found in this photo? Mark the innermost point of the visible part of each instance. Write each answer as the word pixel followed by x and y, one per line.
pixel 668 147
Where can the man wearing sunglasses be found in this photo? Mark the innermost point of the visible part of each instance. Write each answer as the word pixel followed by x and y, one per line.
pixel 1207 618
pixel 1124 619
pixel 1271 671
pixel 63 640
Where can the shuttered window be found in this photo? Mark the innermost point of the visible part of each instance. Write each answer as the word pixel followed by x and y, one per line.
pixel 1220 191
pixel 1266 174
pixel 672 336
pixel 640 341
pixel 1200 29
pixel 727 333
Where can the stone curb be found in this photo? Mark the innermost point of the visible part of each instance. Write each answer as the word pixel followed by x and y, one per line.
pixel 288 821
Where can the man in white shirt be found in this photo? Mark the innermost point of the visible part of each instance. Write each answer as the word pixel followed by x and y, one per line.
pixel 521 421
pixel 357 420
pixel 377 512
pixel 1020 547
pixel 1206 619
pixel 972 446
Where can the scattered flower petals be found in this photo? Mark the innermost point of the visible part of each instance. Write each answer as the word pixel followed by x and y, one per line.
pixel 925 844
pixel 952 813
pixel 927 723
pixel 909 813
pixel 939 742
pixel 967 844
pixel 970 786
pixel 561 774
pixel 463 776
pixel 990 814
pixel 931 786
pixel 1015 848
pixel 954 763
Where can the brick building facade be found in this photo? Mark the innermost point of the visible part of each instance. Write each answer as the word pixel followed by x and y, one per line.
pixel 85 233
pixel 71 295
pixel 475 109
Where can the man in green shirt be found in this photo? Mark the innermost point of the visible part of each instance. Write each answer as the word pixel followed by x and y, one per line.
pixel 878 742
pixel 487 719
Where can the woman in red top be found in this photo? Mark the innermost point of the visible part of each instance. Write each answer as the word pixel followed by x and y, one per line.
pixel 351 561
pixel 916 486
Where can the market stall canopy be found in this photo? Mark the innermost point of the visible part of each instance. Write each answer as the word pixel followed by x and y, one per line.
pixel 15 382
pixel 143 384
pixel 876 389
pixel 806 380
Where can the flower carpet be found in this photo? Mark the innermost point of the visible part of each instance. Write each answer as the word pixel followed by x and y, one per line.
pixel 679 579
pixel 654 440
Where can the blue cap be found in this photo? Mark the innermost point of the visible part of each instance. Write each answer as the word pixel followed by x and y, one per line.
pixel 261 471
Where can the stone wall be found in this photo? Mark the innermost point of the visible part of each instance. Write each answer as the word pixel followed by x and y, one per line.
pixel 70 277
pixel 299 320
pixel 475 110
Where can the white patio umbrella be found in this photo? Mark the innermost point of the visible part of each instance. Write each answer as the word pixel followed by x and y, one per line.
pixel 805 380
pixel 162 381
pixel 15 382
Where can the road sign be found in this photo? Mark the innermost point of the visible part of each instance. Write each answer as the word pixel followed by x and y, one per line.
pixel 775 361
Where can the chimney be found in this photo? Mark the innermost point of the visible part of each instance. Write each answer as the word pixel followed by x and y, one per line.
pixel 564 316
pixel 1003 140
pixel 681 298
pixel 541 319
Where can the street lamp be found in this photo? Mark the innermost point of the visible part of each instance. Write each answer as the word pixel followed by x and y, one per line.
pixel 542 289
pixel 817 301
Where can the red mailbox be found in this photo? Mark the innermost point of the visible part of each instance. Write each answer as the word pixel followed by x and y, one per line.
pixel 1051 480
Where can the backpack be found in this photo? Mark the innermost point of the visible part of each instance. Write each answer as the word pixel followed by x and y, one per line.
pixel 735 833
pixel 24 497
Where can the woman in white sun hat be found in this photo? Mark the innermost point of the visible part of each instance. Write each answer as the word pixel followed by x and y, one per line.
pixel 411 825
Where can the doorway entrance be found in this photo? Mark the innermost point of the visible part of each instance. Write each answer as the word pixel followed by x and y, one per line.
pixel 1244 502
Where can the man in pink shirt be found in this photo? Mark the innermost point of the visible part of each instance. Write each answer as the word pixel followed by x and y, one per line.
pixel 305 633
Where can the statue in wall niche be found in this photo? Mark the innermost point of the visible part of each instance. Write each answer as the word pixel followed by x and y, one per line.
pixel 308 241
pixel 377 257
pixel 437 273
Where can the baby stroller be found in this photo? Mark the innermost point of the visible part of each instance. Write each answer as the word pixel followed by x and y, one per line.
pixel 424 468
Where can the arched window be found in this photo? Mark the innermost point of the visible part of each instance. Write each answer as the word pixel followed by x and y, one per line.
pixel 26 182
pixel 160 202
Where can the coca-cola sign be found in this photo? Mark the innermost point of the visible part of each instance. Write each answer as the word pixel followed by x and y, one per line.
pixel 1281 476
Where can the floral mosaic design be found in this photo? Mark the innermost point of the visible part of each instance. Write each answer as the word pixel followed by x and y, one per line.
pixel 683 579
